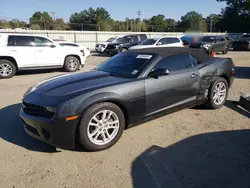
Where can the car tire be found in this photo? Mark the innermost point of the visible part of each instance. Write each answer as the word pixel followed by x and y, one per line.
pixel 124 49
pixel 7 69
pixel 92 132
pixel 218 93
pixel 71 64
pixel 225 50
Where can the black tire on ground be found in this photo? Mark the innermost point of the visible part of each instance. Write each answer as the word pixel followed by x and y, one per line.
pixel 210 102
pixel 71 64
pixel 86 118
pixel 7 69
pixel 225 50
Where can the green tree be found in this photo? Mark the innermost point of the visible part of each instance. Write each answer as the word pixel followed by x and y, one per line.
pixel 236 16
pixel 4 24
pixel 157 23
pixel 59 24
pixel 90 19
pixel 193 21
pixel 17 24
pixel 35 27
pixel 44 20
pixel 214 22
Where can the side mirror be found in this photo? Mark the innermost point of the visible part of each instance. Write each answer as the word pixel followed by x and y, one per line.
pixel 159 72
pixel 159 43
pixel 52 45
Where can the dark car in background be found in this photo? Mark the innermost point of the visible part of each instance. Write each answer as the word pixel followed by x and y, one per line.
pixel 242 43
pixel 191 39
pixel 124 43
pixel 214 44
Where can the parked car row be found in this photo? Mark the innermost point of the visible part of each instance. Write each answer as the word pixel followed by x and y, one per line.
pixel 136 41
pixel 219 43
pixel 25 52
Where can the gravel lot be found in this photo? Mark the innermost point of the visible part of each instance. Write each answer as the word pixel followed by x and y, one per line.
pixel 178 150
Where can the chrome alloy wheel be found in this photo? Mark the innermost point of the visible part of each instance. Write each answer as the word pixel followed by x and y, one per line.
pixel 5 69
pixel 103 127
pixel 219 93
pixel 72 64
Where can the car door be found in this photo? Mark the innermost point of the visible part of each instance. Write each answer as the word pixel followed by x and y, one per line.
pixel 180 86
pixel 222 43
pixel 218 45
pixel 22 49
pixel 48 53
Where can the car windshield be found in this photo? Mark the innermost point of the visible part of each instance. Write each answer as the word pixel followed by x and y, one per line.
pixel 208 39
pixel 110 40
pixel 128 64
pixel 124 39
pixel 149 42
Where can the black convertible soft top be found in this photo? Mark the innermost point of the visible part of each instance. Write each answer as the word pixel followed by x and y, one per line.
pixel 199 54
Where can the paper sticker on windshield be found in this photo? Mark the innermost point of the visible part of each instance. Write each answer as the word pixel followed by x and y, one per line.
pixel 134 72
pixel 144 56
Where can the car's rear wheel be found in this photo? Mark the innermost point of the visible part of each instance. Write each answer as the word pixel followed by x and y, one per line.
pixel 101 126
pixel 71 64
pixel 7 69
pixel 218 94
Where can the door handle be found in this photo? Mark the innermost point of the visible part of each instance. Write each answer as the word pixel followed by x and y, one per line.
pixel 39 50
pixel 193 75
pixel 13 50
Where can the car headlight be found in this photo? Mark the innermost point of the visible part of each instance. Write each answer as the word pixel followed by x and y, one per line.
pixel 50 109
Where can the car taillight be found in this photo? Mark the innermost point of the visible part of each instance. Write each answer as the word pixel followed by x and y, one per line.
pixel 233 72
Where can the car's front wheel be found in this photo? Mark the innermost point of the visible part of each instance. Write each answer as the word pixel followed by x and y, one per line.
pixel 71 64
pixel 101 126
pixel 225 50
pixel 218 94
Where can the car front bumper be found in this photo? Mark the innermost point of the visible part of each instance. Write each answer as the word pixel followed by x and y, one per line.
pixel 100 49
pixel 57 131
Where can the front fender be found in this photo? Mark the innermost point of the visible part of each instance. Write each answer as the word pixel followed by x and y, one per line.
pixel 97 98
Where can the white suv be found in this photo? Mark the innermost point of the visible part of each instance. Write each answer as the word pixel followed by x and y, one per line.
pixel 23 51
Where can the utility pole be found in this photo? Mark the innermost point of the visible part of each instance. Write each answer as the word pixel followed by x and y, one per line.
pixel 131 24
pixel 139 15
pixel 211 24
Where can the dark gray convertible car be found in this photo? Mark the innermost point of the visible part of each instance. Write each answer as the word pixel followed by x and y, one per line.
pixel 94 107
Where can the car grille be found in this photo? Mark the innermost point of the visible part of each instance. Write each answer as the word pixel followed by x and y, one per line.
pixel 36 110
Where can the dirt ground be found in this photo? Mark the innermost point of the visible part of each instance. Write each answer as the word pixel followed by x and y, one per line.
pixel 190 148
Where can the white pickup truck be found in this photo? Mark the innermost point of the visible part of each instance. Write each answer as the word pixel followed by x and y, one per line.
pixel 24 52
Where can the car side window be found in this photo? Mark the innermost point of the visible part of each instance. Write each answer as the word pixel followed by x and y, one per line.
pixel 194 61
pixel 222 39
pixel 161 41
pixel 175 40
pixel 42 42
pixel 15 40
pixel 175 63
pixel 135 39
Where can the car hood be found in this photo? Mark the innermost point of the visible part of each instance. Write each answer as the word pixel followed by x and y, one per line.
pixel 77 83
pixel 116 44
pixel 103 43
